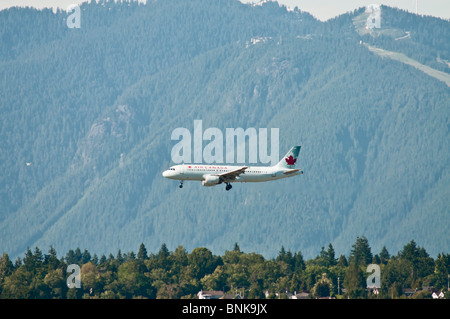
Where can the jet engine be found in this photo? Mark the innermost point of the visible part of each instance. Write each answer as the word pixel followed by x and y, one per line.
pixel 210 180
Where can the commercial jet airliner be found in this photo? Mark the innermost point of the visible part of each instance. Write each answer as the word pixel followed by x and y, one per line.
pixel 211 175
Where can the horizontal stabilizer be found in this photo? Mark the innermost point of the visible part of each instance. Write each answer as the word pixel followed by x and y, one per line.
pixel 292 171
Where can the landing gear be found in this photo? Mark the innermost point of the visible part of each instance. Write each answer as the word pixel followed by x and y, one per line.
pixel 228 187
pixel 181 184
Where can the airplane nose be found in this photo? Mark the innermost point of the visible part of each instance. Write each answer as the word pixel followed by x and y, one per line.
pixel 165 173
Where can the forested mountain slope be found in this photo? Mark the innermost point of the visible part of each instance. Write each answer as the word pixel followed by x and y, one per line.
pixel 87 116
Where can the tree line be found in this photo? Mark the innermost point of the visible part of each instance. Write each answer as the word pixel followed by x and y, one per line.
pixel 179 274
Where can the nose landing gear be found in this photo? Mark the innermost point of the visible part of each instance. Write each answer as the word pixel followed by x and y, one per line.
pixel 181 184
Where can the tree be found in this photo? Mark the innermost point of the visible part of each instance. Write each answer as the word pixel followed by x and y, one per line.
pixel 256 290
pixel 312 273
pixel 163 257
pixel 132 283
pixel 237 276
pixel 38 257
pixel 323 287
pixel 419 262
pixel 179 260
pixel 51 260
pixel 73 257
pixel 142 253
pixel 395 272
pixel 6 267
pixel 232 257
pixel 56 283
pixel 331 260
pixel 442 270
pixel 70 257
pixel 102 260
pixel 376 260
pixel 28 260
pixel 214 281
pixel 18 285
pixel 287 258
pixel 89 277
pixel 85 257
pixel 360 253
pixel 354 281
pixel 299 263
pixel 327 258
pixel 384 255
pixel 342 262
pixel 119 257
pixel 410 251
pixel 202 262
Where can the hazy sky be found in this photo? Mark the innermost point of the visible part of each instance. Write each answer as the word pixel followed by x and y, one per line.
pixel 321 9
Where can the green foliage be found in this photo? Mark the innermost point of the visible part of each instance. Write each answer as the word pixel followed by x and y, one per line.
pixel 354 281
pixel 179 274
pixel 323 287
pixel 360 254
pixel 91 111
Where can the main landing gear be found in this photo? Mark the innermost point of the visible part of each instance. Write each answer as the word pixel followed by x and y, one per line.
pixel 228 187
pixel 181 184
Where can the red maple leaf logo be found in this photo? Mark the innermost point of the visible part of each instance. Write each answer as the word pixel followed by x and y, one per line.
pixel 290 160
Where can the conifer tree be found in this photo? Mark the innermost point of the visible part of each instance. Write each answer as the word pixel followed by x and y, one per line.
pixel 6 267
pixel 361 253
pixel 384 255
pixel 142 253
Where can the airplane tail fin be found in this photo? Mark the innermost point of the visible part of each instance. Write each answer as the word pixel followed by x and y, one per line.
pixel 289 160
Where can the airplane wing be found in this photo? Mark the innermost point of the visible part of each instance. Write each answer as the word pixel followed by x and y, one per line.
pixel 233 174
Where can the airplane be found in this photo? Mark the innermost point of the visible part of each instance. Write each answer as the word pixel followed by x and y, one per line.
pixel 212 175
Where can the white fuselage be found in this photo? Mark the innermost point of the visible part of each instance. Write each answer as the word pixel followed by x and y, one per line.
pixel 198 172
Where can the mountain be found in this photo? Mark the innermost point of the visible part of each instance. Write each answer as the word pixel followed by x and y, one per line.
pixel 87 116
